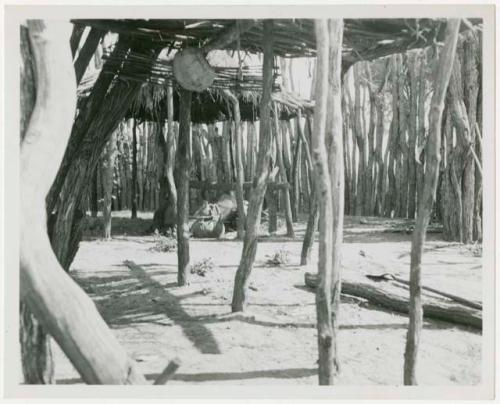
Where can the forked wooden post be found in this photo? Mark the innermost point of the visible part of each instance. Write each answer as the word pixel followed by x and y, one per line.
pixel 262 174
pixel 182 178
pixel 57 301
pixel 324 191
pixel 433 158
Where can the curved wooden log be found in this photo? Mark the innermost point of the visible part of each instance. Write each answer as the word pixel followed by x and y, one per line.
pixel 57 301
pixel 437 310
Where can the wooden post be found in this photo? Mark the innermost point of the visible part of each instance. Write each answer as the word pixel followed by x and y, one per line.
pixel 334 140
pixel 240 174
pixel 182 185
pixel 284 177
pixel 262 174
pixel 312 221
pixel 88 49
pixel 171 147
pixel 441 80
pixel 57 301
pixel 413 67
pixel 134 170
pixel 107 175
pixel 294 181
pixel 312 224
pixel 361 143
pixel 323 187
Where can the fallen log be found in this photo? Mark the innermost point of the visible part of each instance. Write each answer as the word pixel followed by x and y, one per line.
pixel 458 299
pixel 438 310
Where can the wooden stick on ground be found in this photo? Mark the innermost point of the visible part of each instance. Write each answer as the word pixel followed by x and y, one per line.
pixel 169 371
pixel 433 157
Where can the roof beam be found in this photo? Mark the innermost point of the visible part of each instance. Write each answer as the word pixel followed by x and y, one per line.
pixel 229 35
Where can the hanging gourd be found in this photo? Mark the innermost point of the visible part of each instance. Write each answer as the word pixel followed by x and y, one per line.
pixel 192 71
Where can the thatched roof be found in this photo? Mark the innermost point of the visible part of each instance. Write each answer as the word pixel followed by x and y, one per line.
pixel 208 106
pixel 364 39
pixel 211 105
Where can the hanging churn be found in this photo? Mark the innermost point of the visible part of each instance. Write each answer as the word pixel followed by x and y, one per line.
pixel 192 71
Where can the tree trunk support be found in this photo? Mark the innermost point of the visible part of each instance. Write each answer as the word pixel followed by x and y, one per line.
pixel 57 301
pixel 262 174
pixel 324 189
pixel 182 177
pixel 441 80
pixel 240 174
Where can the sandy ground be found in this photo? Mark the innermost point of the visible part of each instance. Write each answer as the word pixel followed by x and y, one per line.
pixel 274 342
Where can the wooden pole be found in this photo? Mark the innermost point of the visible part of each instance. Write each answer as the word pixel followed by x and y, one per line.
pixel 107 175
pixel 134 170
pixel 262 174
pixel 240 174
pixel 433 157
pixel 323 187
pixel 312 221
pixel 182 178
pixel 85 55
pixel 335 151
pixel 284 177
pixel 171 147
pixel 57 301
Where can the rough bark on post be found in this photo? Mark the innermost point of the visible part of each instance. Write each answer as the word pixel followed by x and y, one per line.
pixel 57 301
pixel 441 80
pixel 182 185
pixel 262 174
pixel 240 174
pixel 335 151
pixel 36 354
pixel 323 186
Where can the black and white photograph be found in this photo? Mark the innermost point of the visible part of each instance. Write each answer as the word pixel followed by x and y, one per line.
pixel 269 197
